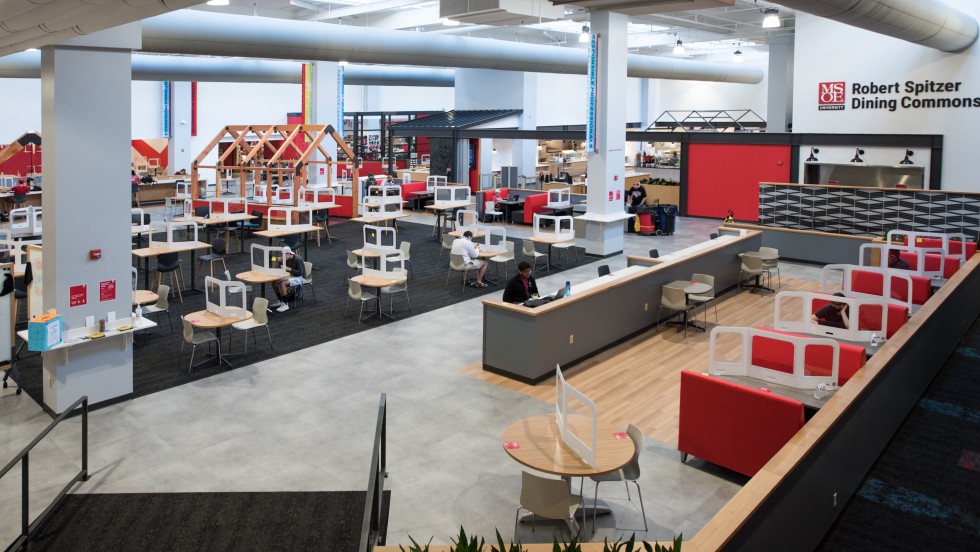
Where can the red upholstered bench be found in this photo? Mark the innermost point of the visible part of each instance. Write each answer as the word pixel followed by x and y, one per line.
pixel 872 283
pixel 534 204
pixel 731 425
pixel 776 354
pixel 955 246
pixel 934 261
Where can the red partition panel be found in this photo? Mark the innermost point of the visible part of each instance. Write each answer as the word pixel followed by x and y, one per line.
pixel 726 176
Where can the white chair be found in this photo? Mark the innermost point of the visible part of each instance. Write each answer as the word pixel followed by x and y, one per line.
pixel 260 318
pixel 530 251
pixel 504 258
pixel 406 250
pixel 162 305
pixel 547 498
pixel 490 209
pixel 629 472
pixel 705 298
pixel 397 288
pixel 772 265
pixel 447 243
pixel 675 300
pixel 354 263
pixel 561 246
pixel 354 292
pixel 195 339
pixel 308 278
pixel 458 264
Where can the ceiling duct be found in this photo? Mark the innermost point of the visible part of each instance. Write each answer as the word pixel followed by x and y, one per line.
pixel 500 12
pixel 645 7
pixel 925 22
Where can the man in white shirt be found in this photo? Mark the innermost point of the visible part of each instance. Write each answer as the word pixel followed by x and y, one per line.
pixel 464 247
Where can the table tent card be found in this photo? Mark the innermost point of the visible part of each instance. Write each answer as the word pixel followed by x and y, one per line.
pixel 267 260
pixel 390 267
pixel 569 404
pixel 380 237
pixel 225 299
pixel 494 238
pixel 139 220
pixel 467 219
pixel 316 197
pixel 870 325
pixel 733 357
pixel 282 218
pixel 167 234
pixel 559 198
pixel 432 181
pixel 559 228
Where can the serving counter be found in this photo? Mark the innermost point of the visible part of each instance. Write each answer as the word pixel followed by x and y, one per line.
pixel 526 343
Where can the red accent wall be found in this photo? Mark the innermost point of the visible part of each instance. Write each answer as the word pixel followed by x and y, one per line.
pixel 726 176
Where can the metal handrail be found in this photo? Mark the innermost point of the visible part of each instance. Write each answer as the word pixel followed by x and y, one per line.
pixel 371 524
pixel 27 527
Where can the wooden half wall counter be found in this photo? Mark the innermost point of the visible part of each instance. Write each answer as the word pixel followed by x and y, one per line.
pixel 526 343
pixel 808 246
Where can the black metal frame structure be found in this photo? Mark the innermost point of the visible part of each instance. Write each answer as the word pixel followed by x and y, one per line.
pixel 371 534
pixel 385 121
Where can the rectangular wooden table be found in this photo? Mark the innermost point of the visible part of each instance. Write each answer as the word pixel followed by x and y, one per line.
pixel 303 229
pixel 146 252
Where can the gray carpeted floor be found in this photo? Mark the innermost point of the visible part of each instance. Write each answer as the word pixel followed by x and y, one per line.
pixel 308 323
pixel 174 522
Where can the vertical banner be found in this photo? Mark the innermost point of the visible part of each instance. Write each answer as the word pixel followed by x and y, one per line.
pixel 340 99
pixel 307 93
pixel 165 119
pixel 194 108
pixel 590 120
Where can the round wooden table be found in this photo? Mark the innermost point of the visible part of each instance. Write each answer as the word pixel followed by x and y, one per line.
pixel 144 297
pixel 210 321
pixel 539 446
pixel 251 277
pixel 376 282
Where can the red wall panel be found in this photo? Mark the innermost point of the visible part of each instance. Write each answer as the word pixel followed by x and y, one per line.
pixel 726 176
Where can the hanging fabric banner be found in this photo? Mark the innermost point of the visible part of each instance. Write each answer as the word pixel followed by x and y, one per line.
pixel 340 99
pixel 165 119
pixel 590 121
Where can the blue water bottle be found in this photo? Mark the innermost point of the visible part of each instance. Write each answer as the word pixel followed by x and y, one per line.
pixel 568 288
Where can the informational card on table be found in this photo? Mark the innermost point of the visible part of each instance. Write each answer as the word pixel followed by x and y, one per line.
pixel 512 445
pixel 620 436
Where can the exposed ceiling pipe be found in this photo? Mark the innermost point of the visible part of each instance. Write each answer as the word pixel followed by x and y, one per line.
pixel 925 22
pixel 201 33
pixel 27 65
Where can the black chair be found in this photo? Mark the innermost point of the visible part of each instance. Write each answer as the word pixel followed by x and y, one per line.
pixel 603 270
pixel 170 263
pixel 18 198
pixel 203 211
pixel 254 224
pixel 654 254
pixel 321 218
pixel 293 242
pixel 219 248
pixel 713 236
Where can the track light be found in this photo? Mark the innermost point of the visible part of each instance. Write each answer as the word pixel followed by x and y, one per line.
pixel 813 155
pixel 584 36
pixel 679 48
pixel 737 56
pixel 771 19
pixel 858 152
pixel 906 161
pixel 217 2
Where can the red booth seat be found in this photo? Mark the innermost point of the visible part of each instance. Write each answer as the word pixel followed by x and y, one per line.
pixel 733 426
pixel 487 195
pixel 863 281
pixel 934 261
pixel 955 246
pixel 534 204
pixel 869 316
pixel 412 187
pixel 777 354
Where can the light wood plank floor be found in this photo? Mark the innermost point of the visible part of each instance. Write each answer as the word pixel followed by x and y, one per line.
pixel 638 381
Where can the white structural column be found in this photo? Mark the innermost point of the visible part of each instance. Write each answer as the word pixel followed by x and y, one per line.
pixel 491 89
pixel 779 108
pixel 326 97
pixel 606 193
pixel 86 91
pixel 179 147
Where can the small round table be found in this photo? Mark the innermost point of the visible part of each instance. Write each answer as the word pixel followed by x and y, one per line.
pixel 207 320
pixel 144 297
pixel 376 282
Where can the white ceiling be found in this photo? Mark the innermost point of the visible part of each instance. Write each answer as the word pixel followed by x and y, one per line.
pixel 708 34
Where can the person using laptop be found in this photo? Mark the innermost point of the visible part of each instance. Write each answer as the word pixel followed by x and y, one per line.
pixel 522 286
pixel 471 257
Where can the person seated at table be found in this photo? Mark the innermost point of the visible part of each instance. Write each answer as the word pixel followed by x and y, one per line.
pixel 496 197
pixel 294 266
pixel 636 196
pixel 833 314
pixel 895 260
pixel 21 188
pixel 522 286
pixel 372 181
pixel 181 172
pixel 471 257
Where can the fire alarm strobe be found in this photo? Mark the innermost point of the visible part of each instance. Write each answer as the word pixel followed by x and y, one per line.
pixel 95 254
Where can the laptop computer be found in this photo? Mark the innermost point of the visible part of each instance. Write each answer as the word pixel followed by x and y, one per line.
pixel 546 299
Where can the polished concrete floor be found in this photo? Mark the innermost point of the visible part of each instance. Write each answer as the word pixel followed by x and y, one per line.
pixel 305 421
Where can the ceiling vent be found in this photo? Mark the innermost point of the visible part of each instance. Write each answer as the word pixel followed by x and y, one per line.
pixel 500 12
pixel 645 7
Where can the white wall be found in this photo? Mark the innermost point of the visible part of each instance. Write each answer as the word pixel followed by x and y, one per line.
pixel 858 56
pixel 669 95
pixel 20 108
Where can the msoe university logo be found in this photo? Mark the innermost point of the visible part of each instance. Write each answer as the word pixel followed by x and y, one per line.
pixel 831 96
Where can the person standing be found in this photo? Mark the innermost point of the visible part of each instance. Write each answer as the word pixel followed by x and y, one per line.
pixel 637 196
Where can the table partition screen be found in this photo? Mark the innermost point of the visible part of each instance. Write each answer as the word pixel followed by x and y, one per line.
pixel 559 198
pixel 380 237
pixel 494 238
pixel 223 206
pixel 467 219
pixel 857 281
pixel 794 309
pixel 569 404
pixel 554 227
pixel 267 260
pixel 722 362
pixel 167 234
pixel 952 244
pixel 387 199
pixel 876 255
pixel 225 299
pixel 302 215
pixel 432 182
pixel 316 197
pixel 390 266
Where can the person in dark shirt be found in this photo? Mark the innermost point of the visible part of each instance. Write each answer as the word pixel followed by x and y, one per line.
pixel 833 315
pixel 295 270
pixel 637 195
pixel 21 188
pixel 522 286
pixel 895 260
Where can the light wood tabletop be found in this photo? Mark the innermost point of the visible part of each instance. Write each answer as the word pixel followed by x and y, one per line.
pixel 144 252
pixel 251 277
pixel 376 282
pixel 380 218
pixel 449 205
pixel 536 443
pixel 476 233
pixel 144 296
pixel 550 240
pixel 209 321
pixel 216 218
pixel 291 231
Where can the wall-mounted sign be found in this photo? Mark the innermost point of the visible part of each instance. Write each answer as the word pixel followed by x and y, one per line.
pixel 892 96
pixel 107 290
pixel 77 295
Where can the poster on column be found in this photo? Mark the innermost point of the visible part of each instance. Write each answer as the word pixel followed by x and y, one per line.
pixel 107 290
pixel 35 291
pixel 590 120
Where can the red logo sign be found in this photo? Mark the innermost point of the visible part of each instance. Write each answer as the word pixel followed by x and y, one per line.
pixel 831 96
pixel 107 290
pixel 77 296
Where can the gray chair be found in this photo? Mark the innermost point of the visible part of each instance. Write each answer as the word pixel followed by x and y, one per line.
pixel 260 318
pixel 504 258
pixel 704 298
pixel 458 264
pixel 675 300
pixel 530 252
pixel 397 288
pixel 354 263
pixel 629 473
pixel 162 305
pixel 354 292
pixel 547 498
pixel 751 266
pixel 654 254
pixel 406 249
pixel 308 278
pixel 772 265
pixel 490 209
pixel 447 243
pixel 195 339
